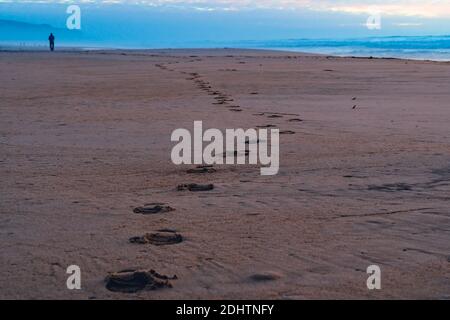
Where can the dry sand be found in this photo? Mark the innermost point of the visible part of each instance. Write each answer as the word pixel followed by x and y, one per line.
pixel 85 138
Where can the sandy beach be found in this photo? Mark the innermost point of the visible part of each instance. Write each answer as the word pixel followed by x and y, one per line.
pixel 364 174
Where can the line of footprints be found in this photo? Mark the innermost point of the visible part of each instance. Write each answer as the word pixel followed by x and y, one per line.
pixel 134 280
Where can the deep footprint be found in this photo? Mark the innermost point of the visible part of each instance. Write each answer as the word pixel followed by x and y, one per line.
pixel 153 208
pixel 202 169
pixel 265 276
pixel 130 281
pixel 158 239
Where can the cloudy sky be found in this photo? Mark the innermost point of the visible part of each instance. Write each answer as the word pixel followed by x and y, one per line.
pixel 430 8
pixel 177 20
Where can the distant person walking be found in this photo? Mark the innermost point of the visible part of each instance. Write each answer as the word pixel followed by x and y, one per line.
pixel 51 40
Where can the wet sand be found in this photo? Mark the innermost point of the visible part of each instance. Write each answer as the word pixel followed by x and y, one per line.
pixel 364 176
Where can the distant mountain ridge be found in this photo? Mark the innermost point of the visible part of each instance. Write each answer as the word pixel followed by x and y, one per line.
pixel 11 30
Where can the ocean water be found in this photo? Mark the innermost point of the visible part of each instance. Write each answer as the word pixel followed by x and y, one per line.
pixel 421 48
pixel 435 48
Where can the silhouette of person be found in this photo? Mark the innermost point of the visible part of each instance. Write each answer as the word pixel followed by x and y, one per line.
pixel 51 40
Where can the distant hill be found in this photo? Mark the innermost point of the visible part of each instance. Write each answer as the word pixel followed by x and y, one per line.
pixel 12 31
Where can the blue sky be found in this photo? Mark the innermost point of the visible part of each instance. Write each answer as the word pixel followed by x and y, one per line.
pixel 142 22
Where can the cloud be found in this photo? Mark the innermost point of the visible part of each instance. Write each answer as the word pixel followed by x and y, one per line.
pixel 419 8
pixel 408 24
pixel 427 9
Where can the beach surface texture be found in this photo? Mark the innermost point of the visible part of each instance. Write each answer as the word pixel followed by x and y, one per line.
pixel 87 177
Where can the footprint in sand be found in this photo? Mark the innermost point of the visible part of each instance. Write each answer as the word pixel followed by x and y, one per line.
pixel 287 132
pixel 235 110
pixel 265 276
pixel 222 99
pixel 295 120
pixel 194 187
pixel 234 107
pixel 274 116
pixel 153 208
pixel 167 230
pixel 202 169
pixel 130 281
pixel 391 187
pixel 267 126
pixel 161 238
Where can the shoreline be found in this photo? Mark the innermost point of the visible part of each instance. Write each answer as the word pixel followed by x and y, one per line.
pixel 282 50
